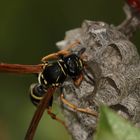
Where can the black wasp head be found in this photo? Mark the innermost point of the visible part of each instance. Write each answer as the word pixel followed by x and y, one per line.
pixel 74 65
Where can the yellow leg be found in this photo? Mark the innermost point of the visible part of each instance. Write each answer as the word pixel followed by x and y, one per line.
pixel 53 116
pixel 78 80
pixel 74 107
pixel 59 53
pixel 54 55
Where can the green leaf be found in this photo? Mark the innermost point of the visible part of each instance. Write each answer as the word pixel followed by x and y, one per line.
pixel 113 127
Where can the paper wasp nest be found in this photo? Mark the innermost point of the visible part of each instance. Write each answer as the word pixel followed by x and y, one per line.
pixel 114 64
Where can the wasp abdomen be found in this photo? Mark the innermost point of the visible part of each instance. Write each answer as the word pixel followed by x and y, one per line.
pixel 37 92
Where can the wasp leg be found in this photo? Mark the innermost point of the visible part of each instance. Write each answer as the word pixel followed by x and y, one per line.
pixel 77 81
pixel 59 53
pixel 53 116
pixel 74 107
pixel 54 55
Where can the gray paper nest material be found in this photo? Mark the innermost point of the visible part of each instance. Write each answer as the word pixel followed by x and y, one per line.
pixel 114 64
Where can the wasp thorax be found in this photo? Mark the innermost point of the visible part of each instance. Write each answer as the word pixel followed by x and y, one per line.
pixel 54 74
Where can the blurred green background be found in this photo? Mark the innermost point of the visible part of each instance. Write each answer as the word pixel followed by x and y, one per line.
pixel 29 30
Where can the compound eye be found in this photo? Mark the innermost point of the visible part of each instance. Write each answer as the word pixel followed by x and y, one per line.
pixel 72 65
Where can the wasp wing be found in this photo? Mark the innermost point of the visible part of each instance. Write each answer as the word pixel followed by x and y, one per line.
pixel 20 69
pixel 44 103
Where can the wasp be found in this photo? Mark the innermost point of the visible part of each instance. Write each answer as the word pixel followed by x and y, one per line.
pixel 52 73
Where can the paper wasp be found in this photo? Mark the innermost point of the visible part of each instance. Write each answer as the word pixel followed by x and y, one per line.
pixel 51 75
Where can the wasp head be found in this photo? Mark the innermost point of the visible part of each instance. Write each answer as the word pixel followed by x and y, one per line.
pixel 74 65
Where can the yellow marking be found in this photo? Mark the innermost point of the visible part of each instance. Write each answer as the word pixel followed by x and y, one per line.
pixel 39 76
pixel 61 68
pixel 81 64
pixel 77 64
pixel 44 65
pixel 65 66
pixel 57 78
pixel 61 60
pixel 55 84
pixel 42 76
pixel 45 82
pixel 35 97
